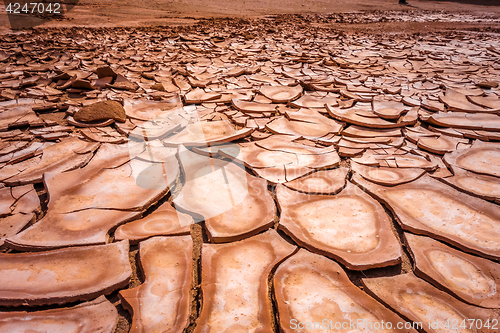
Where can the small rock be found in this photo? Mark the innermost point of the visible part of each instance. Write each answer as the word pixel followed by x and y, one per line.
pixel 102 111
pixel 487 84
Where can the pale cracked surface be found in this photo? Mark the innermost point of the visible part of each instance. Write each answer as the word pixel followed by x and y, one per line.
pixel 161 303
pixel 472 279
pixel 220 119
pixel 310 288
pixel 64 275
pixel 56 158
pixel 212 186
pixel 79 215
pixel 235 283
pixel 350 226
pixel 419 301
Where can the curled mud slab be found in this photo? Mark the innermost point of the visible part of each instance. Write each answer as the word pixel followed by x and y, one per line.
pixel 281 94
pixel 235 283
pixel 279 159
pixel 389 110
pixel 164 221
pixel 482 186
pixel 305 122
pixel 387 176
pixel 98 315
pixel 76 190
pixel 456 101
pixel 362 115
pixel 310 288
pixel 56 230
pixel 321 182
pixel 147 110
pixel 212 186
pixel 78 214
pixel 474 121
pixel 420 302
pixel 60 157
pixel 254 214
pixel 313 102
pixel 367 132
pixel 63 276
pixel 429 207
pixel 243 104
pixel 207 133
pixel 252 107
pixel 19 206
pixel 472 279
pixel 350 227
pixel 483 160
pixel 438 145
pixel 161 304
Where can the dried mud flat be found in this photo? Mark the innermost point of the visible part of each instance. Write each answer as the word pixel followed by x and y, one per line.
pixel 234 175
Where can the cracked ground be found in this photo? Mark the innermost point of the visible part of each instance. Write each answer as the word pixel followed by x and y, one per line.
pixel 252 175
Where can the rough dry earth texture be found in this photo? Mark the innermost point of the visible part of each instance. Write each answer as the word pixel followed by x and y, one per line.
pixel 264 170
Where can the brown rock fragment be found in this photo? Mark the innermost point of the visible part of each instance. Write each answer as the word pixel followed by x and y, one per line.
pixel 235 283
pixel 64 275
pixel 161 303
pixel 101 111
pixel 311 288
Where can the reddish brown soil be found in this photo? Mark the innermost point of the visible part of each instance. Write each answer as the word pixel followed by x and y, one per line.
pixel 126 13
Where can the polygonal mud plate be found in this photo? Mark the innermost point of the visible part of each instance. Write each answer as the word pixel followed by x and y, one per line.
pixel 311 288
pixel 422 303
pixel 350 227
pixel 427 206
pixel 472 279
